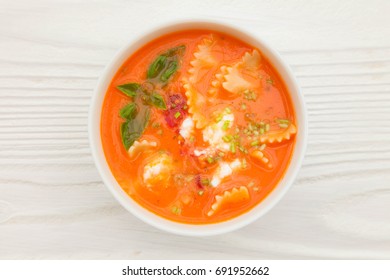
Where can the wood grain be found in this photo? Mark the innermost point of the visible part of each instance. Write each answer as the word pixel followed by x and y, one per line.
pixel 52 201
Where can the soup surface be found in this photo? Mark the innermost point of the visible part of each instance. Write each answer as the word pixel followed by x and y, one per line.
pixel 198 127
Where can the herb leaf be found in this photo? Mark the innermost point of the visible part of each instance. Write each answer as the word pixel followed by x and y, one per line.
pixel 129 89
pixel 171 69
pixel 157 66
pixel 158 101
pixel 174 51
pixel 166 64
pixel 137 114
pixel 129 111
pixel 131 130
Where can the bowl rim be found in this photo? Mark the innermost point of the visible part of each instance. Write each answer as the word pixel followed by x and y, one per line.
pixel 94 123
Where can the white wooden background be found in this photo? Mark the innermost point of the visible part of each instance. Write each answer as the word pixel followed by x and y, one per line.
pixel 53 203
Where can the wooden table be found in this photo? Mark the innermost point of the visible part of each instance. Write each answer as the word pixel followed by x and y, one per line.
pixel 53 203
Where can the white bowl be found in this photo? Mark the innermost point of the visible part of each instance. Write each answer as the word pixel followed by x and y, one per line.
pixel 188 229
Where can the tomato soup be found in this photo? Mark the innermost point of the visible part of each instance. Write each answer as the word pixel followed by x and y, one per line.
pixel 198 127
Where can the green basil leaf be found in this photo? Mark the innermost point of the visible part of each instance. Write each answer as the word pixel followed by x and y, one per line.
pixel 171 69
pixel 129 89
pixel 126 135
pixel 157 66
pixel 129 111
pixel 166 64
pixel 174 51
pixel 158 101
pixel 132 130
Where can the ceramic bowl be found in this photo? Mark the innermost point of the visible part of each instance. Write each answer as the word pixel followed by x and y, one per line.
pixel 127 202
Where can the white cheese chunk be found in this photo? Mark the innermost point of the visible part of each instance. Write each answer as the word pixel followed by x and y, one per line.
pixel 157 170
pixel 224 170
pixel 187 128
pixel 207 152
pixel 214 133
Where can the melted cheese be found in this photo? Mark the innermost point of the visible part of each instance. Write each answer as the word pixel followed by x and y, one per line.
pixel 224 170
pixel 187 128
pixel 158 170
pixel 214 133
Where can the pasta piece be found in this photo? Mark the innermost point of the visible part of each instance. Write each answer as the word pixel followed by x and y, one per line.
pixel 279 135
pixel 139 147
pixel 235 81
pixel 195 102
pixel 251 61
pixel 229 197
pixel 203 58
pixel 218 80
pixel 260 157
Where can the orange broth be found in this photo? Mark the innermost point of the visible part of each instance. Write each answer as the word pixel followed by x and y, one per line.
pixel 191 201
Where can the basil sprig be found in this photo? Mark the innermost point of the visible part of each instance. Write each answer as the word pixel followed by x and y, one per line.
pixel 129 89
pixel 137 113
pixel 158 101
pixel 179 50
pixel 132 129
pixel 171 69
pixel 165 65
pixel 157 66
pixel 129 111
